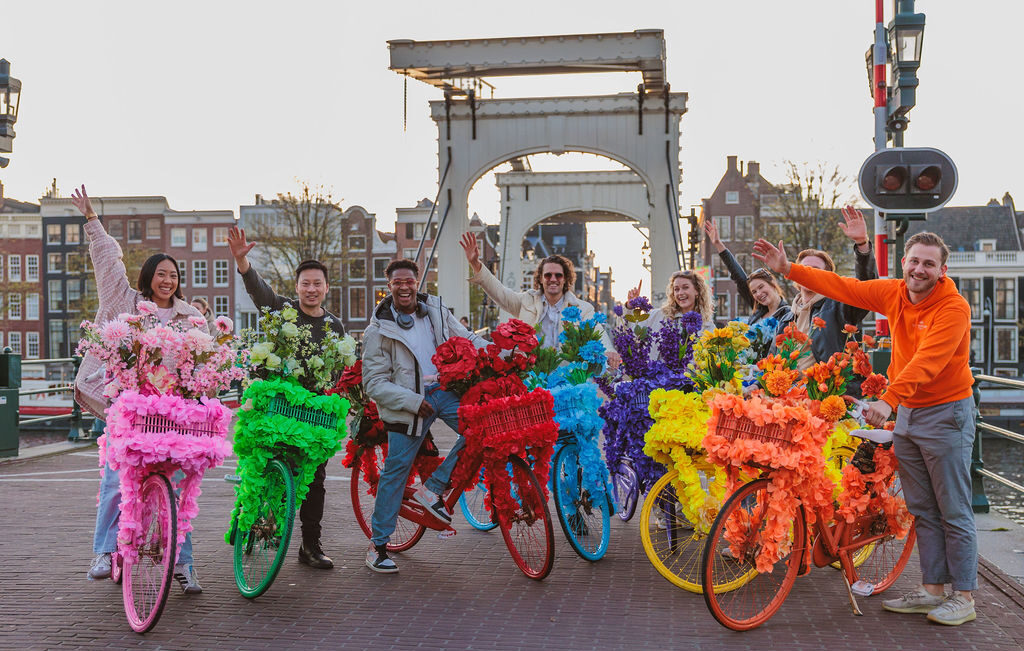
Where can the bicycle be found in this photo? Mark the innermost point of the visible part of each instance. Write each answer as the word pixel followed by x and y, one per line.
pixel 474 508
pixel 737 541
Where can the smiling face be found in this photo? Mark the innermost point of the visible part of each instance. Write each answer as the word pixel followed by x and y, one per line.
pixel 403 290
pixel 311 288
pixel 684 293
pixel 553 281
pixel 164 283
pixel 922 269
pixel 764 292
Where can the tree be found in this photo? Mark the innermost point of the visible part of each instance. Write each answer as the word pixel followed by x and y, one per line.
pixel 806 211
pixel 80 268
pixel 304 227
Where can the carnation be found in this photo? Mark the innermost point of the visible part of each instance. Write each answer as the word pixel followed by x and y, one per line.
pixel 571 314
pixel 147 308
pixel 832 408
pixel 196 321
pixel 114 331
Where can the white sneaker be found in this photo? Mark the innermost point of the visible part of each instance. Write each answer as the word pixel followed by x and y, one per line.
pixel 100 568
pixel 917 601
pixel 432 503
pixel 186 577
pixel 377 559
pixel 954 611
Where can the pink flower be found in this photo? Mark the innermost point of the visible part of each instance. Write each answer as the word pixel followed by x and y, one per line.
pixel 114 331
pixel 196 321
pixel 112 389
pixel 223 324
pixel 146 307
pixel 161 379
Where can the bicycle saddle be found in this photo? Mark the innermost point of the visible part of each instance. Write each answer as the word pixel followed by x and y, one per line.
pixel 880 436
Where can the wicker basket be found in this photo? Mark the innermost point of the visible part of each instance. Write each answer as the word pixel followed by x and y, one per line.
pixel 641 402
pixel 280 406
pixel 157 424
pixel 515 417
pixel 734 429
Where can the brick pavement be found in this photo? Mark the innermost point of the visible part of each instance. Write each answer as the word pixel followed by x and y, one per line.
pixel 464 593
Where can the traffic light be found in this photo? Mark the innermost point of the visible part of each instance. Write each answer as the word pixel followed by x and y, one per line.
pixel 908 180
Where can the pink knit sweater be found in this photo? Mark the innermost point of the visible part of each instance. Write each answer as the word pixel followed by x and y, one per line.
pixel 116 296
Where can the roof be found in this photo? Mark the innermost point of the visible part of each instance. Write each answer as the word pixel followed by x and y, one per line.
pixel 962 227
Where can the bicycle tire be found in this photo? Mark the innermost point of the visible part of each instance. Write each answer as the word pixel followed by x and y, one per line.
pixel 406 534
pixel 626 488
pixel 889 555
pixel 471 503
pixel 585 518
pixel 528 532
pixel 260 551
pixel 146 581
pixel 115 568
pixel 754 601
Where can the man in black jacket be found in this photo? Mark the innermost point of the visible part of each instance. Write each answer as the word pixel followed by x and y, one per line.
pixel 311 287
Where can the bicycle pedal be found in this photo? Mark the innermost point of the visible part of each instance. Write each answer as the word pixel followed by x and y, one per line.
pixel 863 589
pixel 233 479
pixel 446 534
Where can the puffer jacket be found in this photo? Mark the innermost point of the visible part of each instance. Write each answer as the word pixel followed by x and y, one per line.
pixel 391 374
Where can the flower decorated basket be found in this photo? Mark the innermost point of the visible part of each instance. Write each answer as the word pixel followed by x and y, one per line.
pixel 279 417
pixel 576 412
pixel 162 433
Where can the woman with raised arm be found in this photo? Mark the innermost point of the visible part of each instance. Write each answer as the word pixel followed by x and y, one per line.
pixel 687 291
pixel 157 282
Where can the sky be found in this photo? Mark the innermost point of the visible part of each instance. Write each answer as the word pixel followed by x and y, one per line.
pixel 210 103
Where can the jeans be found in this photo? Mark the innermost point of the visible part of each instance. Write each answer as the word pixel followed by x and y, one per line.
pixel 933 446
pixel 104 539
pixel 402 450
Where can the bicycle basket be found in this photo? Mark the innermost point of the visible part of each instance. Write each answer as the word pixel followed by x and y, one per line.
pixel 734 429
pixel 640 402
pixel 279 405
pixel 156 424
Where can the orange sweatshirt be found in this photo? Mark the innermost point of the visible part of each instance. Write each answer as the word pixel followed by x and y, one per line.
pixel 930 340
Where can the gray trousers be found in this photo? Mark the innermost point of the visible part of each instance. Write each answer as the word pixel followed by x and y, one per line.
pixel 933 446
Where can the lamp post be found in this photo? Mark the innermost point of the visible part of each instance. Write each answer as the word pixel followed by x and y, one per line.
pixel 10 99
pixel 906 37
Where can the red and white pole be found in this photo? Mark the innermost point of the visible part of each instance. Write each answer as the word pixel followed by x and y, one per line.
pixel 881 118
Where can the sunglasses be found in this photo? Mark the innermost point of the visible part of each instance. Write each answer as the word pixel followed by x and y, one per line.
pixel 549 276
pixel 761 272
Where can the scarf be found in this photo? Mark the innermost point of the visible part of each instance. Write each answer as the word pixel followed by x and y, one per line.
pixel 802 311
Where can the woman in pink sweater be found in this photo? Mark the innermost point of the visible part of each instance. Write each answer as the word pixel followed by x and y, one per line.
pixel 157 282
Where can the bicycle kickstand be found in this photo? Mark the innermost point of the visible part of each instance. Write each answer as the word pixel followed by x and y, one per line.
pixel 853 599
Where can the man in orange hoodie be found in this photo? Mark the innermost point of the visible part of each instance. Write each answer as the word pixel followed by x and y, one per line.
pixel 930 383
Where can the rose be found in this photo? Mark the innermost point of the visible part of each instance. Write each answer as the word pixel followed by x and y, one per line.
pixel 455 360
pixel 147 308
pixel 273 361
pixel 290 330
pixel 489 390
pixel 289 314
pixel 196 321
pixel 515 333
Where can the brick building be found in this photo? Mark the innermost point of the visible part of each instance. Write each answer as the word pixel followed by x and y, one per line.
pixel 21 286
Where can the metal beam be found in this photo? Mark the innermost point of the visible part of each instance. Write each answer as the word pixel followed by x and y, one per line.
pixel 438 63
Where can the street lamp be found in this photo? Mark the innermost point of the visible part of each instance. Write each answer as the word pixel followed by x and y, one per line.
pixel 906 36
pixel 10 98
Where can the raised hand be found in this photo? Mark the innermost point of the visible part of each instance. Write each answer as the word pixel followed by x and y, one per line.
pixel 712 232
pixel 773 256
pixel 634 292
pixel 239 247
pixel 80 199
pixel 469 245
pixel 854 226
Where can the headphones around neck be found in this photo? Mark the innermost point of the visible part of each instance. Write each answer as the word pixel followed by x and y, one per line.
pixel 406 321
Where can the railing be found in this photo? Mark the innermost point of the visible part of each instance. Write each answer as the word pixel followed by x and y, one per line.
pixel 977 258
pixel 979 501
pixel 75 432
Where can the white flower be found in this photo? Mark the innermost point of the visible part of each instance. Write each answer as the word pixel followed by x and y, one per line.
pixel 273 361
pixel 261 350
pixel 316 361
pixel 289 314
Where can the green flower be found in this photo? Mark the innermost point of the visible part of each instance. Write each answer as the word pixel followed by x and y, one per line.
pixel 290 330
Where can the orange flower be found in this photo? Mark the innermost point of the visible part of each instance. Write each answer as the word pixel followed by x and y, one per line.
pixel 874 385
pixel 861 364
pixel 851 346
pixel 869 341
pixel 818 322
pixel 849 329
pixel 832 408
pixel 822 386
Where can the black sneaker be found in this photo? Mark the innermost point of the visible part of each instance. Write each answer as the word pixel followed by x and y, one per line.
pixel 377 560
pixel 432 503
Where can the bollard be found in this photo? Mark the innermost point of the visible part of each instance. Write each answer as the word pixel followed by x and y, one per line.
pixel 10 382
pixel 979 501
pixel 75 429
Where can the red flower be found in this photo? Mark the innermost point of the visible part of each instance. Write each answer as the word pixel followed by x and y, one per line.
pixel 455 360
pixel 849 329
pixel 488 390
pixel 352 377
pixel 818 322
pixel 874 385
pixel 515 333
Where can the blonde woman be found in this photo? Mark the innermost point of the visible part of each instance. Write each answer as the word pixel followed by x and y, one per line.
pixel 687 291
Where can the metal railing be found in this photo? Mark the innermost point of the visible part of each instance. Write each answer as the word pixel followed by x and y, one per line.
pixel 979 501
pixel 75 430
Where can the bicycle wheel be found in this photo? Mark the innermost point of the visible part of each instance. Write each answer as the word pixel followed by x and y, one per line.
pixel 528 532
pixel 626 488
pixel 889 554
pixel 584 517
pixel 115 568
pixel 260 551
pixel 406 534
pixel 471 503
pixel 146 581
pixel 840 457
pixel 758 596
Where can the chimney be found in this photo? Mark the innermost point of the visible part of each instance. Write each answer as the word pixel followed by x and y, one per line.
pixel 753 169
pixel 259 199
pixel 730 164
pixel 1 195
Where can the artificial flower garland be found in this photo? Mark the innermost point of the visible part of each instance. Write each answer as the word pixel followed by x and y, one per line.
pixel 676 440
pixel 135 455
pixel 627 420
pixel 869 492
pixel 260 437
pixel 576 411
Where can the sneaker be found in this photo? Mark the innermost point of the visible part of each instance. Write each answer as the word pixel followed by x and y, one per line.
pixel 918 601
pixel 954 611
pixel 100 568
pixel 186 576
pixel 377 560
pixel 433 503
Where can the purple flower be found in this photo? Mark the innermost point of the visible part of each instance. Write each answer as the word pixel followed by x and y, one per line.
pixel 693 322
pixel 618 310
pixel 641 303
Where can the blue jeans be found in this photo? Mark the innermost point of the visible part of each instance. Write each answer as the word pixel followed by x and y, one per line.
pixel 104 539
pixel 402 449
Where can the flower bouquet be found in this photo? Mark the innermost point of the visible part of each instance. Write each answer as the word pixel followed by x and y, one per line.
pixel 161 418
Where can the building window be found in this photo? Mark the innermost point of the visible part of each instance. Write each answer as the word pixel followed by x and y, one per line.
pixel 745 262
pixel 1006 343
pixel 1 267
pixel 54 263
pixel 379 294
pixel 724 227
pixel 1006 298
pixel 179 236
pixel 380 267
pixel 32 345
pixel 53 233
pixel 1006 372
pixel 199 273
pixel 14 307
pixel 134 230
pixel 744 228
pixel 722 306
pixel 977 345
pixel 31 307
pixel 220 306
pixel 732 196
pixel 986 245
pixel 183 273
pixel 357 303
pixel 56 338
pixel 14 268
pixel 220 273
pixel 32 268
pixel 250 321
pixel 74 294
pixel 356 269
pixel 357 243
pixel 14 341
pixel 559 240
pixel 56 296
pixel 116 228
pixel 220 236
pixel 72 234
pixel 970 289
pixel 410 254
pixel 198 239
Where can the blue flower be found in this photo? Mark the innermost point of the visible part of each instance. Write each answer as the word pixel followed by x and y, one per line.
pixel 593 352
pixel 600 317
pixel 571 314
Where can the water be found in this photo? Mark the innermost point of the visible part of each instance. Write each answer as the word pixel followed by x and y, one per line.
pixel 1005 457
